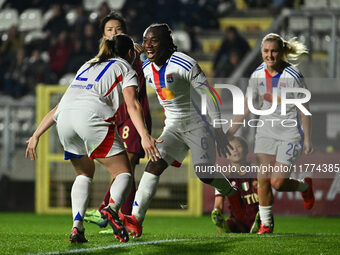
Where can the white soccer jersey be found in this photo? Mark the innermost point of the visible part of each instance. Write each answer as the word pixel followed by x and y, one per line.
pixel 262 84
pixel 172 83
pixel 98 89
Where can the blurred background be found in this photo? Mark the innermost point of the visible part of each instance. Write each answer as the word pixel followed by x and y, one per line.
pixel 45 42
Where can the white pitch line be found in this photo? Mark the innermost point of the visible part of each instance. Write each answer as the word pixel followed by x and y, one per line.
pixel 113 246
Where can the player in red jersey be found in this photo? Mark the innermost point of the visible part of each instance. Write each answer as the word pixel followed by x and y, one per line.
pixel 111 25
pixel 248 191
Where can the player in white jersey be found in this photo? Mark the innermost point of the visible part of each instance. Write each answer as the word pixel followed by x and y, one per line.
pixel 85 119
pixel 280 138
pixel 175 76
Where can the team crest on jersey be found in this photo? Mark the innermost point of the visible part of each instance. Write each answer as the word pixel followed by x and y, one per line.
pixel 150 81
pixel 261 84
pixel 233 183
pixel 169 78
pixel 245 186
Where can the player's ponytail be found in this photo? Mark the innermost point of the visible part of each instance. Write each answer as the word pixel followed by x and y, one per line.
pixel 291 49
pixel 118 46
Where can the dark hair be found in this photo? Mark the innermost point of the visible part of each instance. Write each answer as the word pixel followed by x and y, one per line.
pixel 117 46
pixel 166 35
pixel 113 16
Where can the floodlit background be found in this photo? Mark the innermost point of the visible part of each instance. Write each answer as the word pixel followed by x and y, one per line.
pixel 45 42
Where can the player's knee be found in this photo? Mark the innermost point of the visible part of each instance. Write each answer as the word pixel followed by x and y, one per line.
pixel 156 167
pixel 277 183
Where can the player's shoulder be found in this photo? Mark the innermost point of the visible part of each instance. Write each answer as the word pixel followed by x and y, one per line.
pixel 182 61
pixel 292 71
pixel 122 63
pixel 146 65
pixel 258 71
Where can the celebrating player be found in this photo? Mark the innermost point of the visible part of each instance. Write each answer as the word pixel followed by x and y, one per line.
pixel 111 25
pixel 172 74
pixel 248 191
pixel 277 145
pixel 85 118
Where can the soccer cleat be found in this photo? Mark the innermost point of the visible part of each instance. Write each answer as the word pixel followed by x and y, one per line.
pixel 265 230
pixel 256 225
pixel 77 236
pixel 96 218
pixel 113 219
pixel 308 195
pixel 237 205
pixel 131 224
pixel 219 220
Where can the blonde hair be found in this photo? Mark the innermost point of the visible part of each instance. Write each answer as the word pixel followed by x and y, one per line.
pixel 117 46
pixel 291 49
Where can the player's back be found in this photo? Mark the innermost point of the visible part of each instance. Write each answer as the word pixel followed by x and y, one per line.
pixel 98 88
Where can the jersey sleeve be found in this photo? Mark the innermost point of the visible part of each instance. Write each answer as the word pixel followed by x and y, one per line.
pixel 196 76
pixel 129 79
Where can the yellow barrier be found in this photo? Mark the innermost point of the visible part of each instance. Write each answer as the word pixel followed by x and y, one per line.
pixel 46 158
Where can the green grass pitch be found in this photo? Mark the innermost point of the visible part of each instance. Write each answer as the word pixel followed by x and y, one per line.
pixel 23 233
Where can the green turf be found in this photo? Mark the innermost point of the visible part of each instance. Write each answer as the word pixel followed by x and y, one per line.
pixel 31 234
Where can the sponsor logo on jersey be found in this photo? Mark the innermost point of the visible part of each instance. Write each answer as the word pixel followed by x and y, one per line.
pixel 283 84
pixel 89 86
pixel 169 78
pixel 261 84
pixel 150 81
pixel 135 203
pixel 233 183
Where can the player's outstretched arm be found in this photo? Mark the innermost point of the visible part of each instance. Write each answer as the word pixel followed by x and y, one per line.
pixel 222 143
pixel 136 115
pixel 32 143
pixel 237 120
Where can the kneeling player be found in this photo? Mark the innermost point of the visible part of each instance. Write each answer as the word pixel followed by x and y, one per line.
pixel 248 191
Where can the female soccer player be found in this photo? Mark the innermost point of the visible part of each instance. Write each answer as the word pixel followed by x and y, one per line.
pixel 111 25
pixel 277 145
pixel 172 74
pixel 248 190
pixel 85 119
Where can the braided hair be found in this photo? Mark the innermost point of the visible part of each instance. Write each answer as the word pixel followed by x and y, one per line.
pixel 166 34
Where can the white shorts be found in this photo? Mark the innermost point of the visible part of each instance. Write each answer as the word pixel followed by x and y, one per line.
pixel 287 152
pixel 84 133
pixel 176 144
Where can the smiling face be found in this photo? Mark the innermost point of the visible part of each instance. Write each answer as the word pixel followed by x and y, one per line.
pixel 111 28
pixel 154 46
pixel 272 55
pixel 238 153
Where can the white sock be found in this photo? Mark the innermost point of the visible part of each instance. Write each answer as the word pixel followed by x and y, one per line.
pixel 119 190
pixel 145 192
pixel 79 197
pixel 266 215
pixel 303 185
pixel 223 186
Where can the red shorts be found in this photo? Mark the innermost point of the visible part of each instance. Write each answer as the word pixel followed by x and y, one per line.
pixel 131 138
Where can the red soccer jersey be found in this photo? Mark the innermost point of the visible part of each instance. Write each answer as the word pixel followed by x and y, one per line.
pixel 248 191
